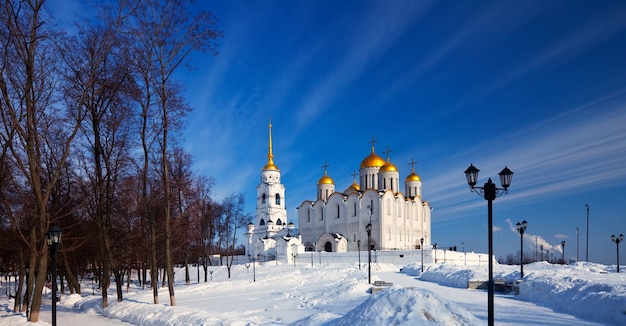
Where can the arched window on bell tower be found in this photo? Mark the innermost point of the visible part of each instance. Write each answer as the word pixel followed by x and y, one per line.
pixel 277 199
pixel 263 198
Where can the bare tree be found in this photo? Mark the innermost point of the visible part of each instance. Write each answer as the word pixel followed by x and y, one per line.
pixel 166 33
pixel 233 217
pixel 99 74
pixel 29 66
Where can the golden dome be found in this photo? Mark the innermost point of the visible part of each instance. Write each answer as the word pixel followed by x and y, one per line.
pixel 388 167
pixel 372 161
pixel 325 180
pixel 354 187
pixel 412 177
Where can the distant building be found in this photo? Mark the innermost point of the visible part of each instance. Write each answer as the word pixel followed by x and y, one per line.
pixel 271 236
pixel 336 221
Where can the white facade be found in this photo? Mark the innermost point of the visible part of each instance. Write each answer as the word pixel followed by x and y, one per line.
pixel 336 221
pixel 270 235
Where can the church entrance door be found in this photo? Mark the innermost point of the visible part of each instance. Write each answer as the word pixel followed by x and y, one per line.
pixel 328 247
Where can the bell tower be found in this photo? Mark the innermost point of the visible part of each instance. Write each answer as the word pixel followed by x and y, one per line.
pixel 271 214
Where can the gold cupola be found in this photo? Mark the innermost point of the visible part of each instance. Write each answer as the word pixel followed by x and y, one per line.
pixel 354 187
pixel 388 167
pixel 325 180
pixel 270 166
pixel 372 160
pixel 413 176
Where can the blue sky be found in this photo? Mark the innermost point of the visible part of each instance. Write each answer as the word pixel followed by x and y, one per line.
pixel 538 86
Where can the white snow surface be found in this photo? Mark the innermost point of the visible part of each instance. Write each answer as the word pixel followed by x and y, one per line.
pixel 339 294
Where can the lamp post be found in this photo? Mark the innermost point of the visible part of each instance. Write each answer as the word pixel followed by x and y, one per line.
pixel 53 237
pixel 587 242
pixel 617 240
pixel 464 254
pixel 368 228
pixel 358 244
pixel 422 250
pixel 563 250
pixel 489 191
pixel 435 250
pixel 253 261
pixel 577 244
pixel 521 228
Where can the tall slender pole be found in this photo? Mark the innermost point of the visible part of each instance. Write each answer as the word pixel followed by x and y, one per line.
pixel 577 236
pixel 617 244
pixel 521 228
pixel 358 243
pixel 587 242
pixel 53 247
pixel 490 292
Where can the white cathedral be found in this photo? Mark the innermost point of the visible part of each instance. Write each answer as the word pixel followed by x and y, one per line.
pixel 336 221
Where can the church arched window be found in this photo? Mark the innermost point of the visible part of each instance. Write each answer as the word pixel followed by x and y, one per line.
pixel 277 199
pixel 338 215
pixel 262 222
pixel 279 222
pixel 308 215
pixel 263 198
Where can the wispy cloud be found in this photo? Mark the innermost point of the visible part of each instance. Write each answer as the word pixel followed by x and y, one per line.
pixel 592 32
pixel 576 151
pixel 368 39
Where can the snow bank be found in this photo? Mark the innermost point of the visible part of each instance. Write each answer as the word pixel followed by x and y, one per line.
pixel 587 290
pixel 401 306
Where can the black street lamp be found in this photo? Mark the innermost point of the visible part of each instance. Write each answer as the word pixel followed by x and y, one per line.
pixel 435 250
pixel 521 228
pixel 53 237
pixel 563 249
pixel 489 191
pixel 422 249
pixel 368 228
pixel 358 244
pixel 617 240
pixel 587 242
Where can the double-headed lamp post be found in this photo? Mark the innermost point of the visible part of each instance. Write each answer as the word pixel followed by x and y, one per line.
pixel 53 237
pixel 489 191
pixel 563 249
pixel 368 228
pixel 617 240
pixel 422 247
pixel 521 228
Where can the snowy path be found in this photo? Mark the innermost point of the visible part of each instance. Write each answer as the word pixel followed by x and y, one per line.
pixel 508 311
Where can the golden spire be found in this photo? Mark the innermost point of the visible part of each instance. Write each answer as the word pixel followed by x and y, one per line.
pixel 270 157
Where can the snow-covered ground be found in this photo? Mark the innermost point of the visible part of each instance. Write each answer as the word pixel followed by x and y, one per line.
pixel 338 294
